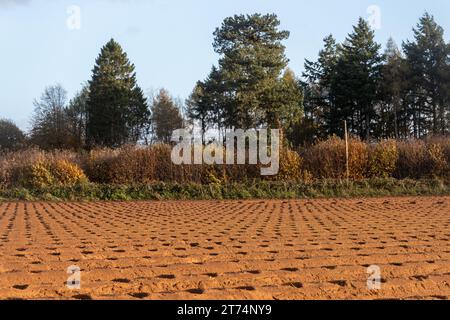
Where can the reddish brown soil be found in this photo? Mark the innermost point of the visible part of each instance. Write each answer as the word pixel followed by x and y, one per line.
pixel 317 249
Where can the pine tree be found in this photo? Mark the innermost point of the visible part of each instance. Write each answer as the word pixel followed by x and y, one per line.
pixel 357 79
pixel 117 112
pixel 166 116
pixel 251 66
pixel 283 105
pixel 208 103
pixel 428 58
pixel 198 108
pixel 320 108
pixel 392 115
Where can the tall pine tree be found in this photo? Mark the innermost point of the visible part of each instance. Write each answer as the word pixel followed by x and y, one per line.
pixel 428 58
pixel 251 68
pixel 117 112
pixel 320 107
pixel 166 116
pixel 357 79
pixel 392 115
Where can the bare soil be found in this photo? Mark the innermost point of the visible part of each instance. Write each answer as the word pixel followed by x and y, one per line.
pixel 318 249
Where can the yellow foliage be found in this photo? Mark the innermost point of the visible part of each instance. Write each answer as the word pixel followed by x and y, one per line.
pixel 67 173
pixel 42 174
pixel 383 159
pixel 358 159
pixel 437 160
pixel 290 166
pixel 37 175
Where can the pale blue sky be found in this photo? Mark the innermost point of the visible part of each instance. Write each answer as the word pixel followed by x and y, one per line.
pixel 168 40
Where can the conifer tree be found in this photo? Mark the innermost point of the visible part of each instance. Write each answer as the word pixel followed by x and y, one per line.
pixel 117 112
pixel 356 83
pixel 320 108
pixel 392 115
pixel 428 58
pixel 166 116
pixel 251 66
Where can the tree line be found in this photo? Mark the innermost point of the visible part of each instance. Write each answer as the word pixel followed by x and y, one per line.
pixel 399 93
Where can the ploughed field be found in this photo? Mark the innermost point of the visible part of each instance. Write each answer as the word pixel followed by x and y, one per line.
pixel 320 249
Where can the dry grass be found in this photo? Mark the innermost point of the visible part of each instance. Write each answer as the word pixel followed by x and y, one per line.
pixel 129 165
pixel 326 159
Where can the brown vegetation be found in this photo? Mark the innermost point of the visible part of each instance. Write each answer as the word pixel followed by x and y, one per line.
pixel 414 159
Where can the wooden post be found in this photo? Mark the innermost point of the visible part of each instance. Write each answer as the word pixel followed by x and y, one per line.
pixel 346 151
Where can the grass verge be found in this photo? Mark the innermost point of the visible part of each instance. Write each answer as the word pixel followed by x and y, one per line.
pixel 234 191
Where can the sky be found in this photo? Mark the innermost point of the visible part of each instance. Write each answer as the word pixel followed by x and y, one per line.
pixel 47 42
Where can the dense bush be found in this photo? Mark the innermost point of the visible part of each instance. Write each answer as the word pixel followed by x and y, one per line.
pixel 292 168
pixel 426 158
pixel 411 161
pixel 383 159
pixel 36 175
pixel 45 173
pixel 66 173
pixel 150 164
pixel 436 160
pixel 35 168
pixel 123 166
pixel 14 164
pixel 326 159
pixel 414 159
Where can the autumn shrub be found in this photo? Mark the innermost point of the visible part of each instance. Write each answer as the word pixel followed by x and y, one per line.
pixel 45 173
pixel 423 158
pixel 10 161
pixel 443 142
pixel 97 165
pixel 131 165
pixel 165 169
pixel 411 162
pixel 358 159
pixel 290 166
pixel 327 159
pixel 383 159
pixel 37 175
pixel 66 173
pixel 32 164
pixel 202 173
pixel 436 160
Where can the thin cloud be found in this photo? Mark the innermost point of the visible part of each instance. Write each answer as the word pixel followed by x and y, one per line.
pixel 11 3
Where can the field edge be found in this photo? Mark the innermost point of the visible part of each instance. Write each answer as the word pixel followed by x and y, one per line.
pixel 259 190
